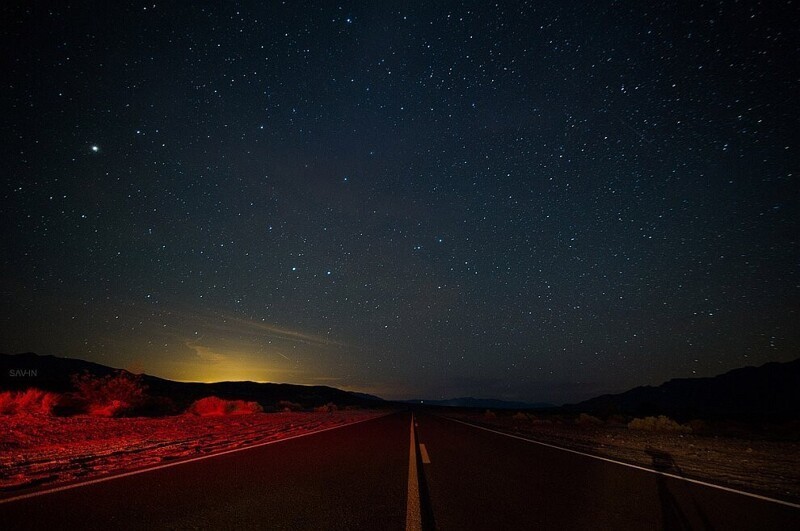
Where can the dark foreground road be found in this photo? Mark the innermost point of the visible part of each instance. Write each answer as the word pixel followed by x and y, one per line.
pixel 477 479
pixel 357 477
pixel 347 478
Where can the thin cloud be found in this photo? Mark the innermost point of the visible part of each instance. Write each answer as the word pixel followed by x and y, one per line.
pixel 259 327
pixel 206 354
pixel 220 325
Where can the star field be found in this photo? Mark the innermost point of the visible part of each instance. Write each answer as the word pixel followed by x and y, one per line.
pixel 526 200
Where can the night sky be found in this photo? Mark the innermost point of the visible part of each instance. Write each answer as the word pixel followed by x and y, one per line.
pixel 536 201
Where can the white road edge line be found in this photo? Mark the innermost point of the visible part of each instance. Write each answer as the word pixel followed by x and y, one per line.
pixel 176 463
pixel 413 513
pixel 690 480
pixel 424 452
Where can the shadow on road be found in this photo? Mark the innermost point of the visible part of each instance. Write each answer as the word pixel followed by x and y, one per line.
pixel 674 514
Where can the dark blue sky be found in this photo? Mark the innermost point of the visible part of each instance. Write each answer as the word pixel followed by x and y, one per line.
pixel 530 200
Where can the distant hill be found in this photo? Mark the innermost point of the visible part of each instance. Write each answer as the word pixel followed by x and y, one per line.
pixel 768 393
pixel 480 403
pixel 52 373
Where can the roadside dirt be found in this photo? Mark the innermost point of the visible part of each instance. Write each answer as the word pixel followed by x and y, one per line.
pixel 53 450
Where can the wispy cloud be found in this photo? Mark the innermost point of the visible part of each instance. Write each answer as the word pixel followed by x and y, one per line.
pixel 206 354
pixel 261 328
pixel 198 324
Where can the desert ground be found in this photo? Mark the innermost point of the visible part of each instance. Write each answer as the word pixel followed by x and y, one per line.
pixel 48 450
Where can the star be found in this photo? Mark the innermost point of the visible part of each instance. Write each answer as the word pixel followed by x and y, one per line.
pixel 95 148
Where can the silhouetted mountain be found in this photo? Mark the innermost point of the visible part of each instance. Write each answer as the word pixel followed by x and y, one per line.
pixel 768 393
pixel 366 396
pixel 52 373
pixel 480 403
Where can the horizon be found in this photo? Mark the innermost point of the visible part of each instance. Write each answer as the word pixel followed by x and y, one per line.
pixel 405 398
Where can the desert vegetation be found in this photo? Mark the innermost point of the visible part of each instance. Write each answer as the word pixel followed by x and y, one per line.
pixel 123 394
pixel 215 406
pixel 114 395
pixel 28 402
pixel 660 423
pixel 585 419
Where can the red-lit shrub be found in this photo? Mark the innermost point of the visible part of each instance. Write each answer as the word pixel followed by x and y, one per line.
pixel 28 402
pixel 214 406
pixel 7 403
pixel 110 396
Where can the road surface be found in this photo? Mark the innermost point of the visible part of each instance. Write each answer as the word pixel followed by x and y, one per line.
pixel 478 479
pixel 383 474
pixel 347 478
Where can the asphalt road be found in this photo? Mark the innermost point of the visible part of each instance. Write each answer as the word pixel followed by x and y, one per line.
pixel 357 477
pixel 353 477
pixel 477 479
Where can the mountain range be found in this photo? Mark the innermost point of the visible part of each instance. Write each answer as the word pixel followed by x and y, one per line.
pixel 769 393
pixel 51 373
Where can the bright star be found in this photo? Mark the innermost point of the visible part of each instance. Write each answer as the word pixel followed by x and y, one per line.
pixel 95 148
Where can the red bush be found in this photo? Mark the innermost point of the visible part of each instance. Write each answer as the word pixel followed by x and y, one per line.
pixel 214 406
pixel 110 396
pixel 28 402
